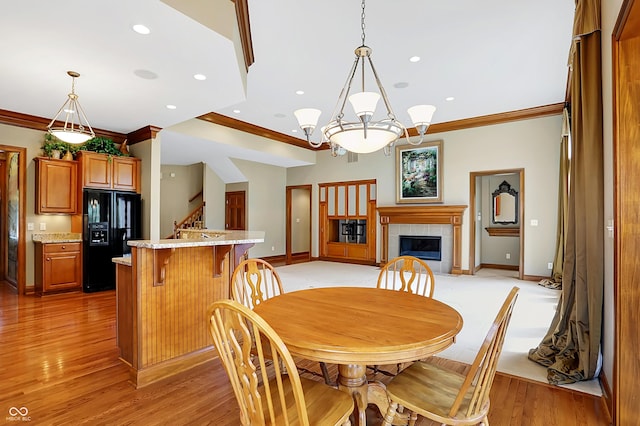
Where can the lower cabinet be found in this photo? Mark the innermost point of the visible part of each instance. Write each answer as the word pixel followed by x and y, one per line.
pixel 58 267
pixel 348 250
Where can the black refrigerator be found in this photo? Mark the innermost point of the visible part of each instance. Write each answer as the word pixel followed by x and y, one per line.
pixel 110 219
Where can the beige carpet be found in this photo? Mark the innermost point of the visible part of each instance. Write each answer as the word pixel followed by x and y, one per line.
pixel 477 298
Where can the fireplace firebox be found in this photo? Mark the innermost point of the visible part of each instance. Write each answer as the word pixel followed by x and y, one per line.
pixel 422 247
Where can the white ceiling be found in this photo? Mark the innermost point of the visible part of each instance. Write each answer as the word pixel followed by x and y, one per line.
pixel 493 56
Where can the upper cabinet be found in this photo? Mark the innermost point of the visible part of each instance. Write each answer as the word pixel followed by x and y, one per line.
pixel 102 171
pixel 56 186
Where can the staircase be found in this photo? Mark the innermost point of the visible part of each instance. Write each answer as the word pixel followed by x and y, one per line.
pixel 194 220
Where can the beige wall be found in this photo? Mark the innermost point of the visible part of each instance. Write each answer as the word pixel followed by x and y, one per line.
pixel 529 144
pixel 213 195
pixel 266 205
pixel 178 185
pixel 300 220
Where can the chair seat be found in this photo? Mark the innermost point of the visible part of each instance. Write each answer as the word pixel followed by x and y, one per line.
pixel 425 387
pixel 325 405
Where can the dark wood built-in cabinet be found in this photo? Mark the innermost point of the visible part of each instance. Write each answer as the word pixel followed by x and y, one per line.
pixel 56 186
pixel 348 221
pixel 58 267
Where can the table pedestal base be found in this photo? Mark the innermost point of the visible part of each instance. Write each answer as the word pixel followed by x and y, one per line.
pixel 352 378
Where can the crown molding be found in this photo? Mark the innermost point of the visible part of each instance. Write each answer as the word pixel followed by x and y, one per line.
pixel 243 126
pixel 488 120
pixel 149 132
pixel 467 123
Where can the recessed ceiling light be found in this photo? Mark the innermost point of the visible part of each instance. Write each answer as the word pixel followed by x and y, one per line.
pixel 414 59
pixel 171 106
pixel 200 77
pixel 237 111
pixel 450 98
pixel 299 92
pixel 401 85
pixel 141 29
pixel 146 74
pixel 279 115
pixel 294 131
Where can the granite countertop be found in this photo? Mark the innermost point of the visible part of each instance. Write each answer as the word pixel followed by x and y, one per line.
pixel 228 238
pixel 57 237
pixel 191 233
pixel 125 260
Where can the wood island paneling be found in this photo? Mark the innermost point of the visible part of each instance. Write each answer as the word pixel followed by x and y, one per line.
pixel 163 292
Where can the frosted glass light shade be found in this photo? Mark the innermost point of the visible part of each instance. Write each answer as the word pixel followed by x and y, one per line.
pixel 307 117
pixel 71 136
pixel 421 115
pixel 364 103
pixel 350 136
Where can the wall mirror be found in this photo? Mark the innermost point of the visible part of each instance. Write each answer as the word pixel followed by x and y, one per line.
pixel 505 204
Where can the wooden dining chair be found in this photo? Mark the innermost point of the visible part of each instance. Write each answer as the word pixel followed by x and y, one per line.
pixel 253 281
pixel 445 396
pixel 275 394
pixel 407 273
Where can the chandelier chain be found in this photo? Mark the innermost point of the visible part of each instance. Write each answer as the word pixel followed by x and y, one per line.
pixel 362 23
pixel 366 134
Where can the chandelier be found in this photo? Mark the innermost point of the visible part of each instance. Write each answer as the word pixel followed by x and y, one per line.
pixel 363 135
pixel 76 127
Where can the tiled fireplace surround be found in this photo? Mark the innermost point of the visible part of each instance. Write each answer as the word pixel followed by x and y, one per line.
pixel 444 221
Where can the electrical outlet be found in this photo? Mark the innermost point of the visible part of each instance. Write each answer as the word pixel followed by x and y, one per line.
pixel 534 222
pixel 43 226
pixel 30 226
pixel 508 255
pixel 550 265
pixel 273 248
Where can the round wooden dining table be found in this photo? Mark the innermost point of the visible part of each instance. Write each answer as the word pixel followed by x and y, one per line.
pixel 358 326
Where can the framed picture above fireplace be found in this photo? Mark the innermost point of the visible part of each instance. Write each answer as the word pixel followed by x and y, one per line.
pixel 419 173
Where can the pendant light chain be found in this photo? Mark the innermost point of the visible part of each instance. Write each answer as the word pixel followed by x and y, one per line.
pixel 362 24
pixel 365 134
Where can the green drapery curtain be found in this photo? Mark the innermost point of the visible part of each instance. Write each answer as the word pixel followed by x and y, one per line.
pixel 571 348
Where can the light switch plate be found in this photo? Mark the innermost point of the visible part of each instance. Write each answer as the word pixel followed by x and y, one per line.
pixel 30 226
pixel 43 226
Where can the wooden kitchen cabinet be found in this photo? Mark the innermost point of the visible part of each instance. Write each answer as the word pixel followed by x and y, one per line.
pixel 126 174
pixel 56 186
pixel 58 267
pixel 102 171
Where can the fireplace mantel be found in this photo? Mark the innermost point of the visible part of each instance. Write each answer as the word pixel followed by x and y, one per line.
pixel 441 214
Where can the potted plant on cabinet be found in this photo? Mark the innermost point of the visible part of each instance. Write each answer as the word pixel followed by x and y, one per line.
pixel 55 148
pixel 101 145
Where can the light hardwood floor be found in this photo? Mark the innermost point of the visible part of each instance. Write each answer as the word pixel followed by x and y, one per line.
pixel 59 360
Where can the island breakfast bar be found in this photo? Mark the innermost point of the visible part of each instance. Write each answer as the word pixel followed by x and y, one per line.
pixel 163 291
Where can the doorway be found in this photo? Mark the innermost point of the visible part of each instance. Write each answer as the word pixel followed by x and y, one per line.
pixel 481 206
pixel 298 233
pixel 13 217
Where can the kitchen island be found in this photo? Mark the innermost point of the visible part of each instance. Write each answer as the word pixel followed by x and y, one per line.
pixel 163 291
